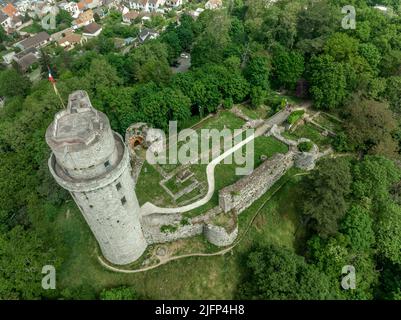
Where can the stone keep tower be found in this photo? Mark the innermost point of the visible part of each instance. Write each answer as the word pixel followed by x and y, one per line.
pixel 92 162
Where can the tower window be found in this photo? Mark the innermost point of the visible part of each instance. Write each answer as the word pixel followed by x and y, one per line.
pixel 118 186
pixel 107 164
pixel 123 200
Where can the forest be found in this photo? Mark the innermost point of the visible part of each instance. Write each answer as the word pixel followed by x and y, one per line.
pixel 350 205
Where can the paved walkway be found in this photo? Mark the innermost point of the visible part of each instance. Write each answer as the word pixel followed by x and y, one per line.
pixel 149 208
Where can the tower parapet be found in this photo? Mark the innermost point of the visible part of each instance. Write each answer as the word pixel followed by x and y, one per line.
pixel 93 163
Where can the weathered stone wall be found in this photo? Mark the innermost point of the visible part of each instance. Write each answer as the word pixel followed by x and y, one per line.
pixel 245 191
pixel 155 235
pixel 219 236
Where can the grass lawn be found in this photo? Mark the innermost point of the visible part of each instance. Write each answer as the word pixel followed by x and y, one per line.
pixel 261 112
pixel 225 119
pixel 148 188
pixel 33 28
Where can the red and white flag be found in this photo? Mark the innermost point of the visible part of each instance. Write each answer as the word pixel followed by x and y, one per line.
pixel 51 79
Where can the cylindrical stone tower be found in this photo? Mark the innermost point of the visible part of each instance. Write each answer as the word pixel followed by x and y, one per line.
pixel 92 162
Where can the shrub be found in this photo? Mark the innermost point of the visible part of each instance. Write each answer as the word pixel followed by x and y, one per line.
pixel 228 103
pixel 168 228
pixel 184 221
pixel 295 116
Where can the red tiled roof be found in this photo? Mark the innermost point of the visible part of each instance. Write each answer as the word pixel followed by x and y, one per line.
pixel 72 38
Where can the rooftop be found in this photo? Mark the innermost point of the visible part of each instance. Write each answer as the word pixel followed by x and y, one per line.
pixel 35 40
pixel 10 10
pixel 92 28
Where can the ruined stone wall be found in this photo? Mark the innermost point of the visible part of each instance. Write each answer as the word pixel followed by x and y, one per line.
pixel 155 235
pixel 247 190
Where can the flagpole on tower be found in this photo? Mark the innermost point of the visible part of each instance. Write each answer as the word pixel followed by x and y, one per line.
pixel 53 82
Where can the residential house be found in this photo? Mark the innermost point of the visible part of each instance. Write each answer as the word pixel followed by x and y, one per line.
pixel 89 4
pixel 8 57
pixel 71 40
pixel 16 22
pixel 10 18
pixel 23 6
pixel 61 34
pixel 99 12
pixel 213 4
pixel 195 14
pixel 147 34
pixel 5 21
pixel 130 16
pixel 83 19
pixel 110 4
pixel 129 40
pixel 142 5
pixel 40 9
pixel 92 30
pixel 38 40
pixel 71 8
pixel 10 10
pixel 27 58
pixel 153 5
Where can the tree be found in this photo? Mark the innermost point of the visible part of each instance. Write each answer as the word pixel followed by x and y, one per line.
pixel 316 21
pixel 327 82
pixel 258 96
pixel 101 74
pixel 341 46
pixel 392 93
pixel 173 45
pixel 288 67
pixel 370 126
pixel 119 293
pixel 257 71
pixel 210 45
pixel 358 226
pixel 373 178
pixel 389 233
pixel 149 62
pixel 371 53
pixel 277 273
pixel 325 195
pixel 104 44
pixel 332 254
pixel 21 270
pixel 63 17
pixel 3 36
